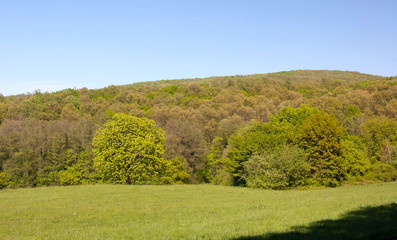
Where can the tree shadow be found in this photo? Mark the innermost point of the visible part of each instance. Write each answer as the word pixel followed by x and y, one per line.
pixel 365 223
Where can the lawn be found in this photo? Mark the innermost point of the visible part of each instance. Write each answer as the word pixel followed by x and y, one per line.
pixel 198 212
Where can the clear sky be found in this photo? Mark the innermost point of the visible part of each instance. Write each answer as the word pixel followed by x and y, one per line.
pixel 53 45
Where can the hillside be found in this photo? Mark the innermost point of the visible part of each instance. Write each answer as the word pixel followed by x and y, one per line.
pixel 198 212
pixel 43 135
pixel 295 75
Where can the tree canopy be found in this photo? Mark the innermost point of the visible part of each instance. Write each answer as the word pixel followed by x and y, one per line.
pixel 213 126
pixel 129 149
pixel 321 137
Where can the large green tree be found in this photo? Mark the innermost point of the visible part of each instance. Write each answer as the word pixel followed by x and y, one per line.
pixel 321 138
pixel 129 150
pixel 260 138
pixel 380 137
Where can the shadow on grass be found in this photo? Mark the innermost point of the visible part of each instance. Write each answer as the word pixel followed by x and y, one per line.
pixel 366 223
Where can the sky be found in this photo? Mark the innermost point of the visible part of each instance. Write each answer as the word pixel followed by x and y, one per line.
pixel 53 45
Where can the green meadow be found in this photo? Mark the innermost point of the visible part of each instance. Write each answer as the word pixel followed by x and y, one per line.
pixel 198 212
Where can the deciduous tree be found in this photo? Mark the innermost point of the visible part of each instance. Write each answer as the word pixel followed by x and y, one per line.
pixel 129 150
pixel 321 138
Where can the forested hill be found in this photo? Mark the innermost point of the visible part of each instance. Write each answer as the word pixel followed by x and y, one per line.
pixel 45 138
pixel 295 75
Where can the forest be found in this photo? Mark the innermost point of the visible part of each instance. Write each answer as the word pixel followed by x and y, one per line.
pixel 293 129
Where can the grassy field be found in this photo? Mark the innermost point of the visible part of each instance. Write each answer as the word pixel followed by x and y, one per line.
pixel 198 212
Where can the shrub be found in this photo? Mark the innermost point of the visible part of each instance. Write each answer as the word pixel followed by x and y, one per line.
pixel 354 154
pixel 284 167
pixel 72 176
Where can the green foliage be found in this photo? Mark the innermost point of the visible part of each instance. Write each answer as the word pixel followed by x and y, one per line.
pixel 321 138
pixel 223 176
pixel 21 170
pixel 355 157
pixel 380 137
pixel 383 172
pixel 170 89
pixel 71 176
pixel 352 120
pixel 255 139
pixel 282 168
pixel 33 152
pixel 49 131
pixel 176 171
pixel 352 111
pixel 221 167
pixel 3 182
pixel 294 116
pixel 259 138
pixel 186 139
pixel 129 150
pixel 289 120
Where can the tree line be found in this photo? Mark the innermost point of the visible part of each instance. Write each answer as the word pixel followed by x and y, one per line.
pixel 279 130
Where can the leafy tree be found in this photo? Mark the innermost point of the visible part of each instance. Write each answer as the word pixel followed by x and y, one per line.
pixel 294 116
pixel 176 171
pixel 382 172
pixel 32 151
pixel 289 120
pixel 281 168
pixel 354 154
pixel 72 176
pixel 195 113
pixel 255 139
pixel 221 167
pixel 352 120
pixel 129 150
pixel 259 138
pixel 186 138
pixel 380 137
pixel 321 138
pixel 3 182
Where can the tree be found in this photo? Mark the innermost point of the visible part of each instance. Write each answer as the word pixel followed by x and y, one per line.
pixel 129 150
pixel 354 154
pixel 289 120
pixel 283 167
pixel 254 139
pixel 186 138
pixel 321 138
pixel 259 138
pixel 380 137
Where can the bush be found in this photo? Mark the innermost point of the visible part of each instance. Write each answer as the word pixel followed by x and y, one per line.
pixel 255 139
pixel 176 171
pixel 72 176
pixel 355 157
pixel 3 183
pixel 282 168
pixel 383 172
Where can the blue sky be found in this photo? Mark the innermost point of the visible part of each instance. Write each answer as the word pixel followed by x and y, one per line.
pixel 53 45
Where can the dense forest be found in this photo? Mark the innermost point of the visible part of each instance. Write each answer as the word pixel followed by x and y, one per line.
pixel 278 130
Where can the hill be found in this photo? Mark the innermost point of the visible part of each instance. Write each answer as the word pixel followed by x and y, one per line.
pixel 46 135
pixel 198 212
pixel 295 75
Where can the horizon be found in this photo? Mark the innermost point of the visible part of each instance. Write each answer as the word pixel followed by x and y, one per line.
pixel 189 78
pixel 53 46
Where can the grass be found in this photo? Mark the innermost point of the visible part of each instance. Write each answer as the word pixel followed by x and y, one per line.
pixel 198 212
